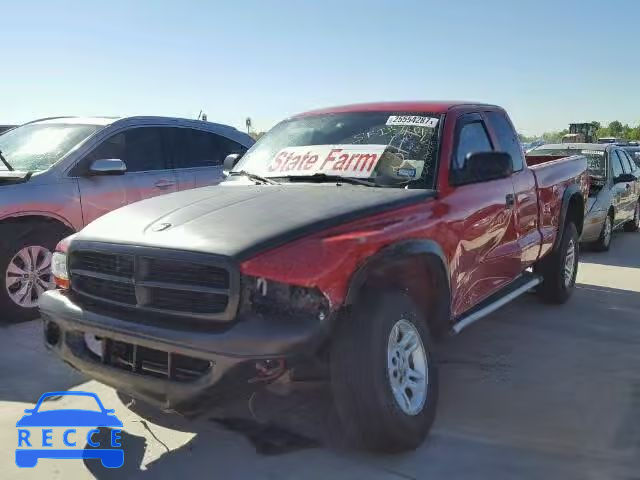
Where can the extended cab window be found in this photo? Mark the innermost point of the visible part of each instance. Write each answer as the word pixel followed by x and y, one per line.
pixel 377 149
pixel 140 149
pixel 507 138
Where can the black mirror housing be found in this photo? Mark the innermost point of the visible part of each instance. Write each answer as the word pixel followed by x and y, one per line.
pixel 625 177
pixel 230 161
pixel 485 166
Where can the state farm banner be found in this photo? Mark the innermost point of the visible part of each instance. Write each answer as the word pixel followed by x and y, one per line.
pixel 357 161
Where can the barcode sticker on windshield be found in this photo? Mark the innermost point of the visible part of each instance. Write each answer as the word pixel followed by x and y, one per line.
pixel 592 152
pixel 412 120
pixel 357 161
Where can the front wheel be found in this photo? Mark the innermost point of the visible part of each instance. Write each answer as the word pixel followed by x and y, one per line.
pixel 25 266
pixel 603 242
pixel 383 377
pixel 559 269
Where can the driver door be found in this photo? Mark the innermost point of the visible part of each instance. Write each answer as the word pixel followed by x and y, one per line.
pixel 488 256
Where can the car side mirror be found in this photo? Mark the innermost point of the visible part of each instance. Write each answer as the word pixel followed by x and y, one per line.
pixel 625 177
pixel 485 166
pixel 230 161
pixel 107 166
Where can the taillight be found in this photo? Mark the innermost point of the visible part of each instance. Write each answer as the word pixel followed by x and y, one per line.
pixel 59 267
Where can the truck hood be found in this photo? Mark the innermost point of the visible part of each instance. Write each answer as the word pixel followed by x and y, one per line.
pixel 241 220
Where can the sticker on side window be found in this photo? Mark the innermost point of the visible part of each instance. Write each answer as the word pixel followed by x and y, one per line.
pixel 358 161
pixel 412 120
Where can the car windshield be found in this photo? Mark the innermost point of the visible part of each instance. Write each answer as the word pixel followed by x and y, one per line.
pixel 391 149
pixel 35 147
pixel 595 158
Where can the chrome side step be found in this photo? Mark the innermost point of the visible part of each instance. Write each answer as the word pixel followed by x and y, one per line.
pixel 485 310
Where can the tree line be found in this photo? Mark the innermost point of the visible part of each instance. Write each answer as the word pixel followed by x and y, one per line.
pixel 614 129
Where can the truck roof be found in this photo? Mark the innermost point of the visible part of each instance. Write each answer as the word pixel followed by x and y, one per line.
pixel 437 107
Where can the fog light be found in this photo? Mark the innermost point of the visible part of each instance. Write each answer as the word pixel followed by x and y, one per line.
pixel 52 334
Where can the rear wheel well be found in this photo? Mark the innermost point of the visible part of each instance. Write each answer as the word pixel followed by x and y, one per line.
pixel 422 277
pixel 575 212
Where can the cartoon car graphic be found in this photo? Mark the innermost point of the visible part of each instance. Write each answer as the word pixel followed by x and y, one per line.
pixel 28 457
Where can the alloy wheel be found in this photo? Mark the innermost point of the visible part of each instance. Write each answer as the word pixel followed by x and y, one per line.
pixel 28 275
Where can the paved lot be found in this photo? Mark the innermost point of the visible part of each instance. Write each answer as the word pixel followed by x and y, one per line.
pixel 531 392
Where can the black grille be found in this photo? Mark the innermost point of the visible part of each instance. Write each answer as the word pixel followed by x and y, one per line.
pixel 153 363
pixel 184 300
pixel 159 283
pixel 121 265
pixel 162 270
pixel 105 289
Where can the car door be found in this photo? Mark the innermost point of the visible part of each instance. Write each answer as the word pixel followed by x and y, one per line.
pixel 629 166
pixel 488 255
pixel 620 190
pixel 148 174
pixel 198 156
pixel 524 186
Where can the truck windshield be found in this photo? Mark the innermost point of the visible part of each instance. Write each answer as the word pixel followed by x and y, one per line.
pixel 387 149
pixel 35 147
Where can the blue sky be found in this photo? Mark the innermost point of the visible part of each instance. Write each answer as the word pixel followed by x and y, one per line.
pixel 547 62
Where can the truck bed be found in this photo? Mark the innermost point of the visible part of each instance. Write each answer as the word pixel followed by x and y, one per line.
pixel 553 175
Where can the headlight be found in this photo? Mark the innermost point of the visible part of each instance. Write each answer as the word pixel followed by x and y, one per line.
pixel 59 267
pixel 265 296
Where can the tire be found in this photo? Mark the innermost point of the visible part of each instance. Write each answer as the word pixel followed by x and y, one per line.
pixel 558 275
pixel 603 242
pixel 633 225
pixel 362 366
pixel 32 241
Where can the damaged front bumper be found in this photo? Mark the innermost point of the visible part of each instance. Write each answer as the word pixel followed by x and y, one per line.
pixel 172 367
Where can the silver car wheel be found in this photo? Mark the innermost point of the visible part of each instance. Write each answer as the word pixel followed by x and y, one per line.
pixel 407 367
pixel 28 276
pixel 569 263
pixel 606 233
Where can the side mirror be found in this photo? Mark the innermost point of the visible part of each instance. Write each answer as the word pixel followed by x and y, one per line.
pixel 108 166
pixel 230 161
pixel 485 166
pixel 625 177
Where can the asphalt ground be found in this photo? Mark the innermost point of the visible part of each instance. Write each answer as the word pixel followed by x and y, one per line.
pixel 532 391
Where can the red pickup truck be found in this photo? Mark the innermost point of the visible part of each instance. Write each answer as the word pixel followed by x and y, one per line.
pixel 354 235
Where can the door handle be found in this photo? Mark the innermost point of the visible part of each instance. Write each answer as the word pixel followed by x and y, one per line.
pixel 510 200
pixel 164 184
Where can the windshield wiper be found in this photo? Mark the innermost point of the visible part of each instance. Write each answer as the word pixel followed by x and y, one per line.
pixel 331 178
pixel 6 164
pixel 254 177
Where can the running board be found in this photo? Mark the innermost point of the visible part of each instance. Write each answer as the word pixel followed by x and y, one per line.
pixel 522 285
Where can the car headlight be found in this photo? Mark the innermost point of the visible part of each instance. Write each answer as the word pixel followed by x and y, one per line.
pixel 59 267
pixel 265 296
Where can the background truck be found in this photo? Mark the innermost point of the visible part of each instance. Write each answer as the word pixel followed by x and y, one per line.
pixel 580 133
pixel 354 236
